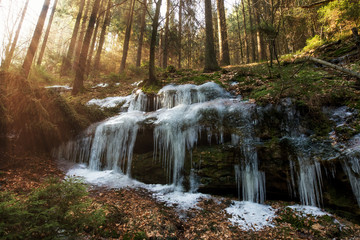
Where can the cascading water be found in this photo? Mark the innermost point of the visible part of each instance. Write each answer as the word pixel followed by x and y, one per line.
pixel 184 114
pixel 181 118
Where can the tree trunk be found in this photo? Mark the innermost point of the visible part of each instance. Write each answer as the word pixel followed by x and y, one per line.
pixel 260 40
pixel 127 36
pixel 10 54
pixel 166 37
pixel 245 34
pixel 252 35
pixel 152 74
pixel 102 36
pixel 42 51
pixel 35 40
pixel 223 39
pixel 93 40
pixel 239 34
pixel 356 38
pixel 141 37
pixel 80 69
pixel 80 39
pixel 180 33
pixel 66 63
pixel 210 54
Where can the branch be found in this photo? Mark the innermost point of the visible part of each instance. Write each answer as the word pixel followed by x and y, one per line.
pixel 316 4
pixel 341 69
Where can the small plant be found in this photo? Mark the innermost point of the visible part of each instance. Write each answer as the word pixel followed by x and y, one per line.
pixel 58 209
pixel 288 215
pixel 313 43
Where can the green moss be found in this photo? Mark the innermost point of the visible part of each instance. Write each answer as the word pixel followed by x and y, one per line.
pixel 151 89
pixel 288 215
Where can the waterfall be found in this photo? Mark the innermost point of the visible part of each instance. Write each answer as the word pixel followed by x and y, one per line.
pixel 179 118
pixel 351 166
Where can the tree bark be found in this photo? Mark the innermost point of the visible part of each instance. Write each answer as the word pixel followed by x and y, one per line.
pixel 210 54
pixel 81 35
pixel 341 69
pixel 93 40
pixel 42 51
pixel 245 34
pixel 141 37
pixel 180 33
pixel 127 36
pixel 66 63
pixel 252 35
pixel 223 39
pixel 102 36
pixel 239 34
pixel 152 74
pixel 80 69
pixel 166 37
pixel 10 54
pixel 35 40
pixel 356 38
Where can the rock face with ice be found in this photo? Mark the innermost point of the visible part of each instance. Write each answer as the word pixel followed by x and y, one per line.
pixel 201 138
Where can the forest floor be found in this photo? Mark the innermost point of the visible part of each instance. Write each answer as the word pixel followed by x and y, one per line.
pixel 136 214
pixel 133 213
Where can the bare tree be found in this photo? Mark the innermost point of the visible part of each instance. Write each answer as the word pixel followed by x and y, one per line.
pixel 180 33
pixel 210 55
pixel 102 36
pixel 252 35
pixel 94 38
pixel 80 39
pixel 245 34
pixel 66 63
pixel 10 54
pixel 166 36
pixel 155 24
pixel 222 30
pixel 127 36
pixel 41 54
pixel 35 40
pixel 80 69
pixel 141 37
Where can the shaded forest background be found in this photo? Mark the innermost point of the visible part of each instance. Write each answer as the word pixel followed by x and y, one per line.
pixel 85 39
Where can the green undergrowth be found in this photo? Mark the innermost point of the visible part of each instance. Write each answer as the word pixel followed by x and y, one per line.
pixel 320 227
pixel 303 82
pixel 56 210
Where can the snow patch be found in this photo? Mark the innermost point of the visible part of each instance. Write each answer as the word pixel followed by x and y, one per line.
pixel 250 215
pixel 65 87
pixel 109 102
pixel 101 85
pixel 107 178
pixel 304 210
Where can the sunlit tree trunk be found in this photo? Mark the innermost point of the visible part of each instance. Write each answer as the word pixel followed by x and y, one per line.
pixel 102 36
pixel 210 54
pixel 80 39
pixel 245 34
pixel 93 40
pixel 80 69
pixel 35 40
pixel 66 63
pixel 252 34
pixel 141 37
pixel 127 36
pixel 180 33
pixel 155 24
pixel 239 34
pixel 166 37
pixel 10 54
pixel 222 29
pixel 42 51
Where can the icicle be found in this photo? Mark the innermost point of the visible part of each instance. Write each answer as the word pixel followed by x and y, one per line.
pixel 351 167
